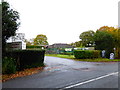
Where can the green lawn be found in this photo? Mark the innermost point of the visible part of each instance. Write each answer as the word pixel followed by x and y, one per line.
pixel 88 60
pixel 61 56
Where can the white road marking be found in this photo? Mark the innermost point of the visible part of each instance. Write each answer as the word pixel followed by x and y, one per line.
pixel 81 83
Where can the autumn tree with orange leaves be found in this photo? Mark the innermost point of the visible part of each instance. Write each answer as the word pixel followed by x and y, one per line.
pixel 115 32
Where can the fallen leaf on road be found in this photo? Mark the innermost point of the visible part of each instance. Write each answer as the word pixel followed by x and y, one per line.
pixel 25 72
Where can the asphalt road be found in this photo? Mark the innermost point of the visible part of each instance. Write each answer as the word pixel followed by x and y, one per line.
pixel 66 73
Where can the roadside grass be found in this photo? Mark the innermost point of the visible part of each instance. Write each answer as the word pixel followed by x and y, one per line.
pixel 99 60
pixel 87 60
pixel 61 56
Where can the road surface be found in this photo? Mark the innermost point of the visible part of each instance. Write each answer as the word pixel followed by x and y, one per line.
pixel 66 73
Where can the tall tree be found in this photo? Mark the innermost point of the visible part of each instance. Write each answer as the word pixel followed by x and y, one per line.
pixel 115 32
pixel 104 41
pixel 18 37
pixel 10 23
pixel 29 42
pixel 40 40
pixel 77 44
pixel 106 28
pixel 87 38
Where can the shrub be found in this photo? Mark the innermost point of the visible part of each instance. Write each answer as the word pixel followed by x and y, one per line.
pixel 96 53
pixel 107 53
pixel 8 65
pixel 31 58
pixel 28 58
pixel 79 54
pixel 84 54
pixel 33 46
pixel 67 53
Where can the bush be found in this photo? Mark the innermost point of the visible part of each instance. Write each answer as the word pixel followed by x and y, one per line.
pixel 33 46
pixel 85 54
pixel 107 53
pixel 28 58
pixel 67 53
pixel 96 53
pixel 8 65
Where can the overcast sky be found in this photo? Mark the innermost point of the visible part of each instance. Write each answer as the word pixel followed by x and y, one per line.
pixel 62 21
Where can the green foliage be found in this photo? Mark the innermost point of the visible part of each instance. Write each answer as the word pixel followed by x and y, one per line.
pixel 67 53
pixel 9 23
pixel 61 56
pixel 104 41
pixel 87 60
pixel 87 38
pixel 33 47
pixel 77 44
pixel 8 65
pixel 29 42
pixel 96 53
pixel 40 40
pixel 105 38
pixel 28 58
pixel 85 54
pixel 112 41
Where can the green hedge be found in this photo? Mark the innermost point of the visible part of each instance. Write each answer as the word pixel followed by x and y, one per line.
pixel 85 54
pixel 96 53
pixel 67 53
pixel 8 65
pixel 33 46
pixel 27 58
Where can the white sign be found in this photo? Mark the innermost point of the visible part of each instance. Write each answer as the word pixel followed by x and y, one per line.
pixel 16 46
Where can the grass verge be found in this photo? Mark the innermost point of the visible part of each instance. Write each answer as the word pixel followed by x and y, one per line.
pixel 87 60
pixel 61 56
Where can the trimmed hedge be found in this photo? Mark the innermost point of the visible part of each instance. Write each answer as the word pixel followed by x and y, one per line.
pixel 27 58
pixel 67 53
pixel 33 46
pixel 85 54
pixel 8 65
